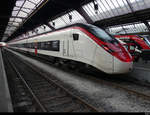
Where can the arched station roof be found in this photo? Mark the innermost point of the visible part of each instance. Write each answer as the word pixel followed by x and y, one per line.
pixel 6 7
pixel 30 17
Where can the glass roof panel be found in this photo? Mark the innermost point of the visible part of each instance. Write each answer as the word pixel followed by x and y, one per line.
pixel 116 29
pixel 26 10
pixel 22 9
pixel 42 29
pixel 16 8
pixel 64 20
pixel 36 1
pixel 77 18
pixel 29 5
pixel 125 7
pixel 128 28
pixel 36 31
pixel 107 9
pixel 111 8
pixel 47 28
pixel 22 14
pixel 14 13
pixel 89 8
pixel 11 19
pixel 15 24
pixel 18 20
pixel 58 23
pixel 139 4
pixel 19 3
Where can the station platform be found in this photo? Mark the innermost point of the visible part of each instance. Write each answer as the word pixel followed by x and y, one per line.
pixel 5 99
pixel 142 63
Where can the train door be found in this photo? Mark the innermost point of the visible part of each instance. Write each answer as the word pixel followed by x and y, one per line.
pixel 26 46
pixel 65 47
pixel 35 46
pixel 78 44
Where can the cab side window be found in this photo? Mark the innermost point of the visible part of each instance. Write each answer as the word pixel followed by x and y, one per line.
pixel 75 36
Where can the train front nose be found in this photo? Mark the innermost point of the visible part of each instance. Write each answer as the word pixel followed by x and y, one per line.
pixel 122 67
pixel 123 62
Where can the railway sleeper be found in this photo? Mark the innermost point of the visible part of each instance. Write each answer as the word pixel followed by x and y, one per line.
pixel 66 107
pixel 54 97
pixel 59 106
pixel 58 101
pixel 48 94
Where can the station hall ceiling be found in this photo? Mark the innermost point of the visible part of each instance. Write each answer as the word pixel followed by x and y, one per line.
pixel 49 9
pixel 27 15
pixel 6 7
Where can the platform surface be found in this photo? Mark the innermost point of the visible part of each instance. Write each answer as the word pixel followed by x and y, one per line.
pixel 142 63
pixel 5 100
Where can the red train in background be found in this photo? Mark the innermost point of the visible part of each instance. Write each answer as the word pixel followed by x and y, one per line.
pixel 137 45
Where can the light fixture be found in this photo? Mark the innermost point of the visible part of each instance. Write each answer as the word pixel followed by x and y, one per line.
pixel 95 7
pixel 53 23
pixel 44 27
pixel 70 17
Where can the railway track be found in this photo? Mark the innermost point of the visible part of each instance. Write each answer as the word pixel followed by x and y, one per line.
pixel 114 83
pixel 20 100
pixel 129 85
pixel 129 90
pixel 48 95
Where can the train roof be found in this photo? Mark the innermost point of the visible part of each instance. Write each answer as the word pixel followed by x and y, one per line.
pixel 85 26
pixel 74 25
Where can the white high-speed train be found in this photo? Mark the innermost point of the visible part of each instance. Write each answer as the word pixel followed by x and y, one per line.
pixel 80 43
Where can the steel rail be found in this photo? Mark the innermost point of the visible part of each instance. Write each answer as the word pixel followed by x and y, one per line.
pixel 116 86
pixel 29 89
pixel 77 97
pixel 86 105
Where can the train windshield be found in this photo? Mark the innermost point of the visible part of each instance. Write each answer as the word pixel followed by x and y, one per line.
pixel 101 34
pixel 146 40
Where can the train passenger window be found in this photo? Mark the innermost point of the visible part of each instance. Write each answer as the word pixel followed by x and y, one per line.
pixel 24 45
pixel 32 45
pixel 21 45
pixel 39 45
pixel 55 45
pixel 42 45
pixel 75 36
pixel 48 45
pixel 28 45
